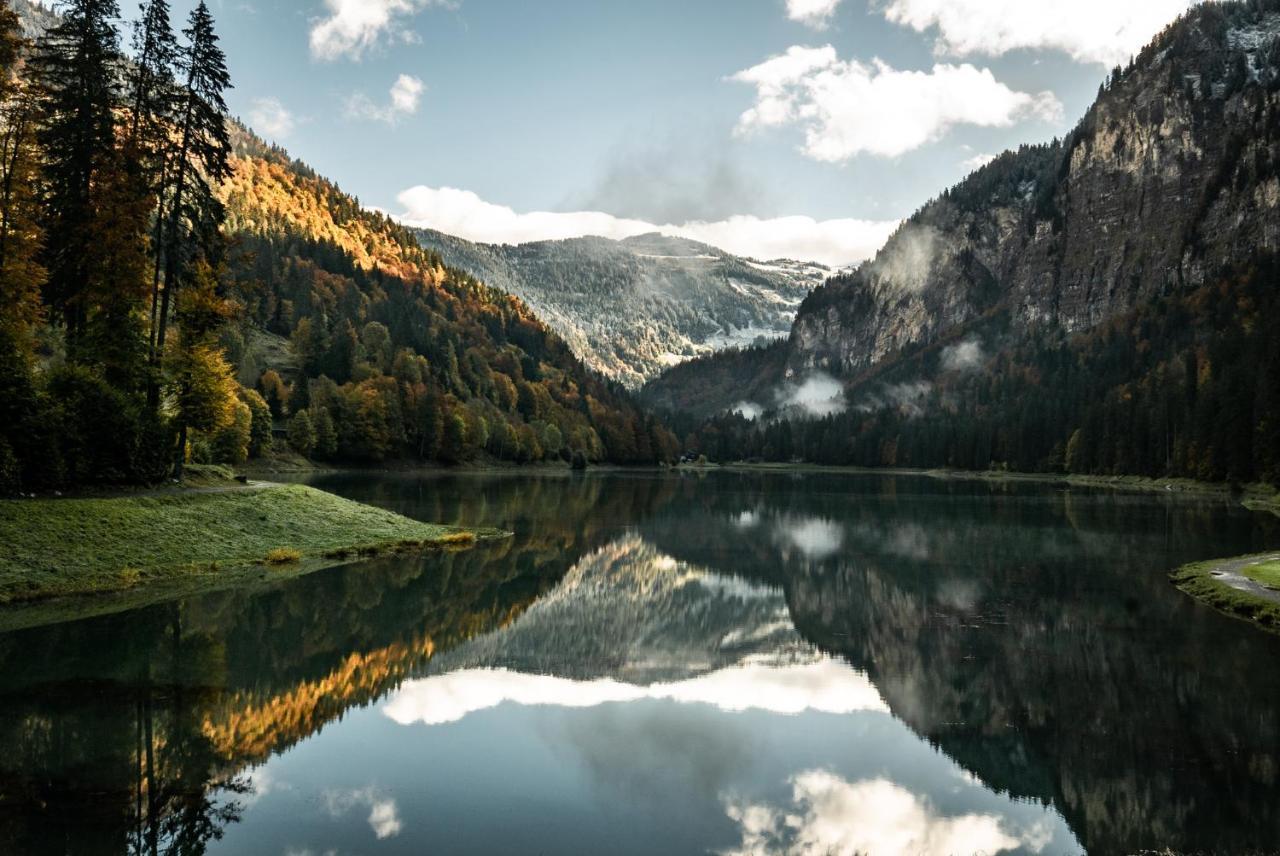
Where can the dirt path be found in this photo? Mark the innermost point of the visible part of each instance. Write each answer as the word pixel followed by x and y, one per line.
pixel 1229 573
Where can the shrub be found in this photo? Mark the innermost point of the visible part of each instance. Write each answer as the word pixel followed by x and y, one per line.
pixel 284 556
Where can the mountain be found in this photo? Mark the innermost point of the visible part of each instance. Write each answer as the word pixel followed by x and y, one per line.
pixel 634 307
pixel 408 356
pixel 1063 291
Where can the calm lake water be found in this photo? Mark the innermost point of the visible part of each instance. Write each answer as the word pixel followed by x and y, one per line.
pixel 728 663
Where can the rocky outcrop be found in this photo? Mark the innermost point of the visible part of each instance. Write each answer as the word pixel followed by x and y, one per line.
pixel 1171 177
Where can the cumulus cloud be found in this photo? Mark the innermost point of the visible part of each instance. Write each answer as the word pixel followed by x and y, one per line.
pixel 404 98
pixel 268 116
pixel 352 27
pixel 464 214
pixel 827 686
pixel 850 108
pixel 814 13
pixel 831 815
pixel 1101 31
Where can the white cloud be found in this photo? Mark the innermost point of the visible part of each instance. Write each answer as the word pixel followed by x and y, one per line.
pixel 827 686
pixel 851 108
pixel 875 816
pixel 384 814
pixel 978 161
pixel 268 116
pixel 352 27
pixel 1101 31
pixel 404 98
pixel 466 215
pixel 406 92
pixel 814 13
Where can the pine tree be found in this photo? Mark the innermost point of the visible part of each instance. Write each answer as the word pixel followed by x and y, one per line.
pixel 201 162
pixel 153 100
pixel 75 69
pixel 21 275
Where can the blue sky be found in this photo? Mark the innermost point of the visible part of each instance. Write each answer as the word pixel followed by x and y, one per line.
pixel 770 127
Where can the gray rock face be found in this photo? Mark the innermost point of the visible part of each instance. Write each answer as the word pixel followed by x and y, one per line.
pixel 1169 179
pixel 632 308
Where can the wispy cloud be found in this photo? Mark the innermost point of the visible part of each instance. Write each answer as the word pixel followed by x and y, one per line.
pixel 268 116
pixel 403 100
pixel 1101 31
pixel 464 214
pixel 384 814
pixel 353 27
pixel 848 108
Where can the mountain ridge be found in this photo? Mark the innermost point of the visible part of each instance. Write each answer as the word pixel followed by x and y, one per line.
pixel 1167 189
pixel 632 307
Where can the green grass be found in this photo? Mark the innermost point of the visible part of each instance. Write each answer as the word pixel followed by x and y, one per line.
pixel 91 545
pixel 1266 573
pixel 1197 580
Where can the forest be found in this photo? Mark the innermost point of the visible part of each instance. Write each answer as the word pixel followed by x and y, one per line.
pixel 1185 386
pixel 147 242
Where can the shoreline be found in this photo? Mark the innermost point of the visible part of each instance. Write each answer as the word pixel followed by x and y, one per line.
pixel 1253 497
pixel 80 556
pixel 1220 584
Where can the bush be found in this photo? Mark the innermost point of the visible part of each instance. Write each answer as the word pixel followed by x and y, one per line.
pixel 284 556
pixel 103 435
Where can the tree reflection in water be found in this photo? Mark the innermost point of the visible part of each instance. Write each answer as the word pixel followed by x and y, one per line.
pixel 1030 634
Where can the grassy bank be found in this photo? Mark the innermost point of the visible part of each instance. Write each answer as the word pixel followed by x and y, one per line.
pixel 1200 581
pixel 175 542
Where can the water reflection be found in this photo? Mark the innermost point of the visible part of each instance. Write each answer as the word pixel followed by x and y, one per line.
pixel 736 664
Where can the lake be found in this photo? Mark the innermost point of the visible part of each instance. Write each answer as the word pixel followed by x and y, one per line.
pixel 728 662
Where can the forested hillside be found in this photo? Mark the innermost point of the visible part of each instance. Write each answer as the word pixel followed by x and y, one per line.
pixel 1099 304
pixel 151 268
pixel 398 355
pixel 632 308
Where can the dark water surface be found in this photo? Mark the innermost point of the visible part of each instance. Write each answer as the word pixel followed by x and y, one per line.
pixel 729 663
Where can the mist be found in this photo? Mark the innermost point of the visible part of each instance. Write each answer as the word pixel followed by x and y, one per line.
pixel 906 261
pixel 677 180
pixel 819 395
pixel 967 356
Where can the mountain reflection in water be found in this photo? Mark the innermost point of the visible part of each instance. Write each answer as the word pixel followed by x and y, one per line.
pixel 733 663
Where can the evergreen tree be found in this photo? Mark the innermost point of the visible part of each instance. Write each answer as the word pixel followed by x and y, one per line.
pixel 201 161
pixel 75 69
pixel 21 275
pixel 153 100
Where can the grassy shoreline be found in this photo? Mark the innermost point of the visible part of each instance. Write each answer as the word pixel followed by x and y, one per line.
pixel 174 542
pixel 1199 580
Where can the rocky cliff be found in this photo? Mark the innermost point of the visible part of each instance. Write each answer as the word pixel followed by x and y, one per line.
pixel 1170 178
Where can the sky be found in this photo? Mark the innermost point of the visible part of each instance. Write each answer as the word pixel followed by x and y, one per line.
pixel 772 128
